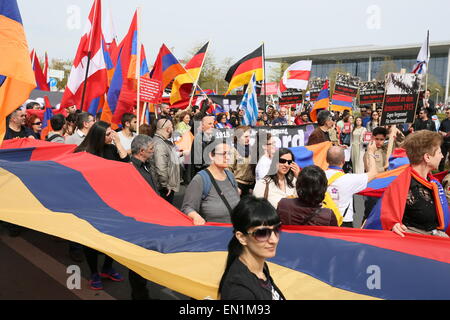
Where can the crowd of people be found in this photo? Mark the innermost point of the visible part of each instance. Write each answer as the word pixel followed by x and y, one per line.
pixel 227 182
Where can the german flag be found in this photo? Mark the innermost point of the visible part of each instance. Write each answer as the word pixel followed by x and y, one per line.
pixel 182 85
pixel 241 72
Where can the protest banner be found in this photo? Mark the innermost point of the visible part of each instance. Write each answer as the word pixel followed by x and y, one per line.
pixel 291 96
pixel 401 98
pixel 315 86
pixel 371 92
pixel 231 102
pixel 285 136
pixel 150 90
pixel 346 85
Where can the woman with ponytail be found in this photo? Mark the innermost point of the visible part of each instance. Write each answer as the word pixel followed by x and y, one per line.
pixel 256 234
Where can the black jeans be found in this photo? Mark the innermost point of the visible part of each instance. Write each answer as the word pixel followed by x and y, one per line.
pixel 92 257
pixel 138 286
pixel 168 198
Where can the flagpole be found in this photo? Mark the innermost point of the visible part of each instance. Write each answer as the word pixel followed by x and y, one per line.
pixel 85 80
pixel 189 74
pixel 89 55
pixel 428 50
pixel 138 67
pixel 264 76
pixel 194 87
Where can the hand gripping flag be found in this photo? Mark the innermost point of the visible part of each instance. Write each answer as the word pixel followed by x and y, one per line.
pixel 90 48
pixel 16 74
pixel 296 76
pixel 424 56
pixel 322 102
pixel 163 245
pixel 183 84
pixel 249 104
pixel 241 72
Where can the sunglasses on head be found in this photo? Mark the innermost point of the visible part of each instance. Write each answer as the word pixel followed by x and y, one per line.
pixel 283 161
pixel 264 234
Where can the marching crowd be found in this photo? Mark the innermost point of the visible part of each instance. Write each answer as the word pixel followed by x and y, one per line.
pixel 257 191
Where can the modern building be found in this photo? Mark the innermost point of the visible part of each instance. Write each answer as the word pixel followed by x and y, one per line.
pixel 366 61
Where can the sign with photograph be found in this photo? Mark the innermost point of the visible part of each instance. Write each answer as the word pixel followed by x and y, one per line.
pixel 314 88
pixel 401 98
pixel 371 92
pixel 347 85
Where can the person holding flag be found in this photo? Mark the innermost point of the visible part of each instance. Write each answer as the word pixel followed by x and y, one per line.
pixel 249 104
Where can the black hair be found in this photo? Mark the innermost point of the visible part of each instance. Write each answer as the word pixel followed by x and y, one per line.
pixel 72 117
pixel 322 117
pixel 82 118
pixel 30 105
pixel 273 170
pixel 311 185
pixel 249 212
pixel 95 139
pixel 127 117
pixel 379 130
pixel 57 122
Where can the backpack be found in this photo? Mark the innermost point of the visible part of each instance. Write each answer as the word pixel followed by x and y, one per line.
pixel 53 137
pixel 207 184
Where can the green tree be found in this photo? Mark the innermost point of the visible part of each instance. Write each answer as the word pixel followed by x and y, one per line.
pixel 387 66
pixel 64 65
pixel 332 76
pixel 213 73
pixel 276 72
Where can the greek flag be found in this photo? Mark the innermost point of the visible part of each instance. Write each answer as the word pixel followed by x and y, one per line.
pixel 250 104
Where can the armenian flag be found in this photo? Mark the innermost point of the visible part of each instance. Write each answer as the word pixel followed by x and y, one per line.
pixel 166 67
pixel 322 102
pixel 162 245
pixel 182 85
pixel 340 102
pixel 41 79
pixel 16 73
pixel 241 72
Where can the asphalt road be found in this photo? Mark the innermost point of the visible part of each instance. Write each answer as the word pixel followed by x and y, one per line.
pixel 34 266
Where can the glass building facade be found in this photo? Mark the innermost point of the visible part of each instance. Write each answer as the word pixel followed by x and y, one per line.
pixel 437 67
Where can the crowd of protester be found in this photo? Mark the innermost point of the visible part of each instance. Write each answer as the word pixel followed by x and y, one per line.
pixel 227 182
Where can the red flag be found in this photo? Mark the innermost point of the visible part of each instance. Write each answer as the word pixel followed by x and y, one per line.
pixel 38 74
pixel 97 81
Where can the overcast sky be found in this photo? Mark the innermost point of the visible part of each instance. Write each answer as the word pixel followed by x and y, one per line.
pixel 237 27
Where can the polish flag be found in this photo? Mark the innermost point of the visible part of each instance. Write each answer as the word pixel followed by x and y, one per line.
pixel 97 80
pixel 296 76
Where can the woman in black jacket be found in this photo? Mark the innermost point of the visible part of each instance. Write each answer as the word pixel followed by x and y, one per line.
pixel 256 234
pixel 99 142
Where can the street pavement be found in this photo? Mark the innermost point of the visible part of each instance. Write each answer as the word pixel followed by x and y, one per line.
pixel 34 266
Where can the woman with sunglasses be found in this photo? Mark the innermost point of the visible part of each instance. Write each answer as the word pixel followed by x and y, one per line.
pixel 35 124
pixel 257 230
pixel 280 181
pixel 99 142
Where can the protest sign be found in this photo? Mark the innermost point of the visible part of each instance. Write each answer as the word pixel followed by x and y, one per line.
pixel 346 85
pixel 315 86
pixel 401 98
pixel 231 102
pixel 150 90
pixel 371 92
pixel 291 96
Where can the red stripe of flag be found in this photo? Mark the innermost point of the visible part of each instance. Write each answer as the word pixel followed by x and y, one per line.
pixel 195 62
pixel 252 64
pixel 299 75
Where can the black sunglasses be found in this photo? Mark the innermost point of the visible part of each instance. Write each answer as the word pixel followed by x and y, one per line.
pixel 37 123
pixel 285 161
pixel 264 234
